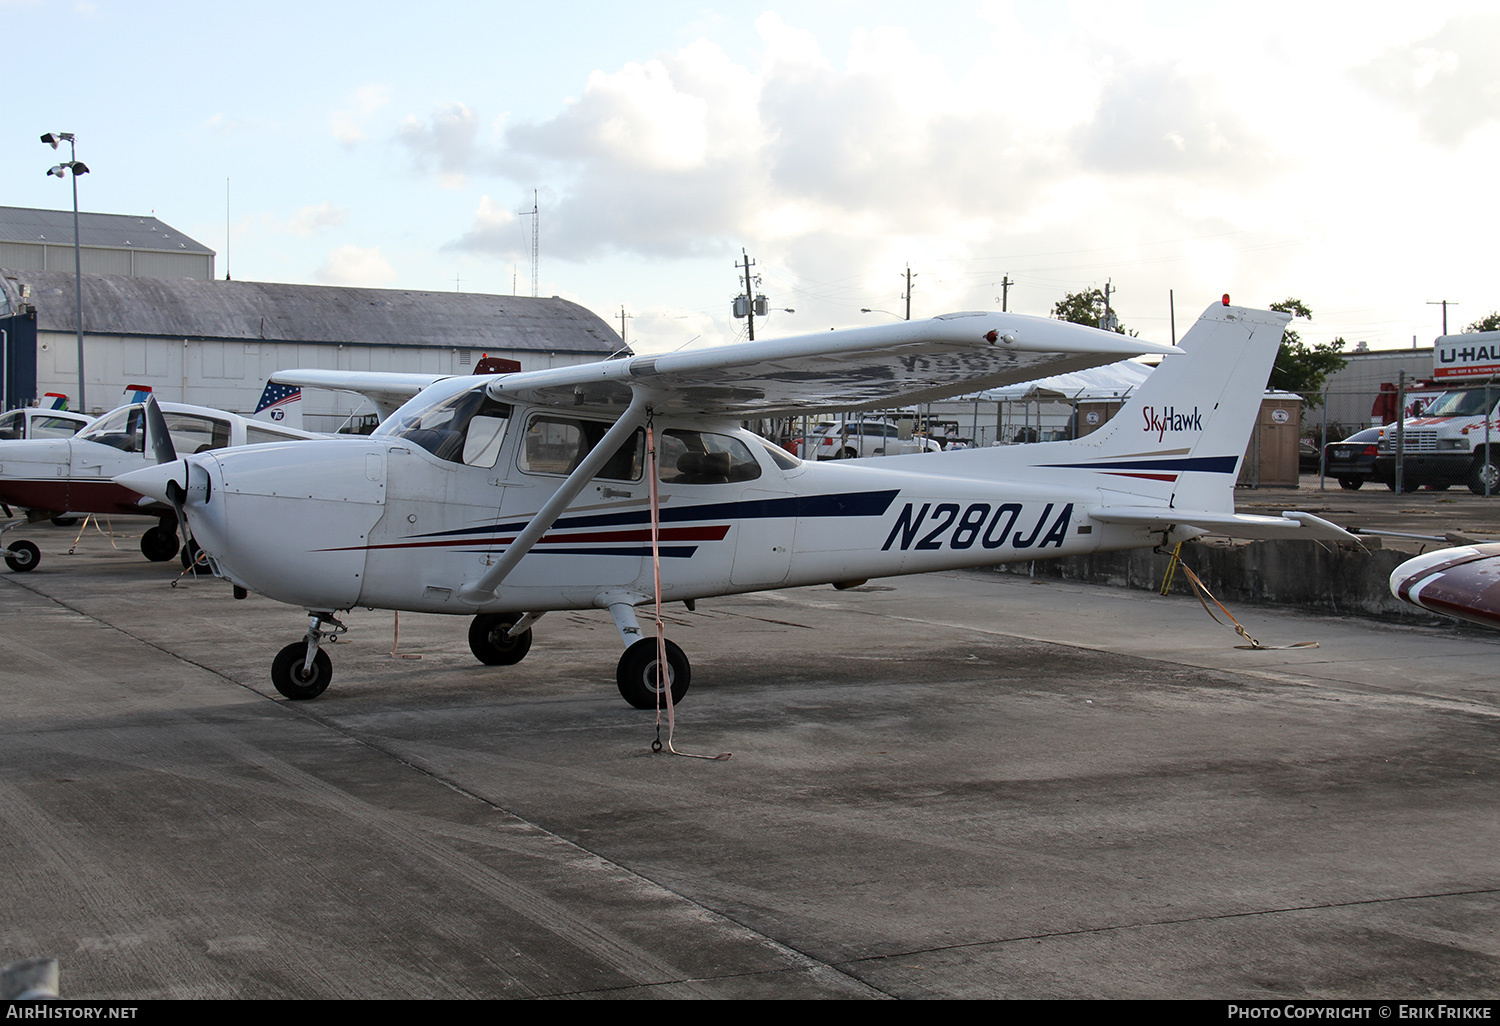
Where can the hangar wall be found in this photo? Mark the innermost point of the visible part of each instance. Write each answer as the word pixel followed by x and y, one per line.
pixel 214 343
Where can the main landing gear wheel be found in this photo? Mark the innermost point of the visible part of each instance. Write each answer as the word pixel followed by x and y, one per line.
pixel 22 557
pixel 64 521
pixel 491 645
pixel 636 674
pixel 294 682
pixel 159 544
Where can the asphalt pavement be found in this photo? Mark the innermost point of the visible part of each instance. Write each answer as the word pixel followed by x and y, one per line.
pixel 955 785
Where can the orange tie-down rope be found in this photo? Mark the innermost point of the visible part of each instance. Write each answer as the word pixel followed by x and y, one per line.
pixel 1200 590
pixel 662 686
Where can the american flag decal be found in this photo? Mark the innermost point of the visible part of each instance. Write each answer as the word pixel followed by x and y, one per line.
pixel 278 396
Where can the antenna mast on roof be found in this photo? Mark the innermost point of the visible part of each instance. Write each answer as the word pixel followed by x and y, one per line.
pixel 535 213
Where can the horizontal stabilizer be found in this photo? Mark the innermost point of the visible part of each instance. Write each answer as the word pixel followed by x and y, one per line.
pixel 1292 525
pixel 388 390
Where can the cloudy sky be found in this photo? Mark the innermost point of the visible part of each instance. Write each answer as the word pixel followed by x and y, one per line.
pixel 1345 154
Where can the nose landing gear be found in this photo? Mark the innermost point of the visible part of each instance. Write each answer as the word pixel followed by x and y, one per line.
pixel 302 670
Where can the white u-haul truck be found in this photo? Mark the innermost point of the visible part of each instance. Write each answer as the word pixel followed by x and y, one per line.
pixel 1456 439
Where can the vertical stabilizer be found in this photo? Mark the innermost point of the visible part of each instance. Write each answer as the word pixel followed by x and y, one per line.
pixel 280 404
pixel 1180 438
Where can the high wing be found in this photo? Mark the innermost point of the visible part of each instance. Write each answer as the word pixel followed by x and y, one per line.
pixel 386 389
pixel 878 367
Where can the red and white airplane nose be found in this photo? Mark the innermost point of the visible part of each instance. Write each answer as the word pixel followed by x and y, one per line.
pixel 1463 582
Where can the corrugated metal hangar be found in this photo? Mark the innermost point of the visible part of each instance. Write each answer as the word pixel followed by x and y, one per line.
pixel 214 343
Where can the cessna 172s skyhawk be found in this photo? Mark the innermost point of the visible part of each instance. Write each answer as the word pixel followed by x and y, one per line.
pixel 503 497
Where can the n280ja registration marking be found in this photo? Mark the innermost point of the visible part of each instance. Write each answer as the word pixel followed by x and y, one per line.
pixel 990 526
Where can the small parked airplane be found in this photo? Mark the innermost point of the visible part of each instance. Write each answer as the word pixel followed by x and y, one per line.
pixel 610 484
pixel 1462 582
pixel 49 477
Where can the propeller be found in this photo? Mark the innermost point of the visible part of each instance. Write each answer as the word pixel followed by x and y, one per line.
pixel 166 452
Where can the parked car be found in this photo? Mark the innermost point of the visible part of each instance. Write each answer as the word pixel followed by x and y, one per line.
pixel 842 440
pixel 1352 461
pixel 1307 457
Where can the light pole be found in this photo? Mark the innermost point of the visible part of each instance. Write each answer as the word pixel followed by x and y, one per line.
pixel 78 167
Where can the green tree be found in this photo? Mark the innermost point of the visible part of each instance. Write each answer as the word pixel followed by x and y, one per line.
pixel 1085 307
pixel 1300 367
pixel 1489 322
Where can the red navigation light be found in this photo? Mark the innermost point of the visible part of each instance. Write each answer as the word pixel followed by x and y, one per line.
pixel 1226 299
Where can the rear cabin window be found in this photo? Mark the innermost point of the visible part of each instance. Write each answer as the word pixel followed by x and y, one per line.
pixel 557 445
pixel 193 433
pixel 54 427
pixel 700 457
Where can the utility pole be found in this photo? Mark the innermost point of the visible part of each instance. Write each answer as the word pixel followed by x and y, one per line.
pixel 1005 284
pixel 1444 303
pixel 623 316
pixel 907 297
pixel 1109 321
pixel 750 303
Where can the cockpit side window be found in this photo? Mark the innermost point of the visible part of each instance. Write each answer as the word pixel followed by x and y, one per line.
pixel 465 428
pixel 701 457
pixel 12 426
pixel 557 445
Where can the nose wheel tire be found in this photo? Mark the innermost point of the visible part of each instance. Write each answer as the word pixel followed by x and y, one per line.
pixel 637 674
pixel 159 544
pixel 491 645
pixel 22 557
pixel 294 682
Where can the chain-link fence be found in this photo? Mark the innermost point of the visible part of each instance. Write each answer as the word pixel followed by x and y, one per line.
pixel 1407 438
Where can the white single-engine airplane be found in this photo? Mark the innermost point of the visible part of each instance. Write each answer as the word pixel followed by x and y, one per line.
pixel 503 497
pixel 49 476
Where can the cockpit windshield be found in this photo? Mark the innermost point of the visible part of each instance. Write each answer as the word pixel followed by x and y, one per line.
pixel 467 427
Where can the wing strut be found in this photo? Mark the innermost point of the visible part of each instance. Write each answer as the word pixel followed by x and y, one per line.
pixel 482 590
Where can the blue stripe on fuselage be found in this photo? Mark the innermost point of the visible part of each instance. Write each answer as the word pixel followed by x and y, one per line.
pixel 847 504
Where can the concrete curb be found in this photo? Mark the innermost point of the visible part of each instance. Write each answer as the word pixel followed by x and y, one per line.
pixel 1302 574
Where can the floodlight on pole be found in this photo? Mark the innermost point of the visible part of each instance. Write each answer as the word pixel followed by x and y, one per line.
pixel 78 167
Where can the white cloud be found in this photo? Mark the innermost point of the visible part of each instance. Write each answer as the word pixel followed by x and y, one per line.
pixel 348 125
pixel 447 143
pixel 357 266
pixel 1449 80
pixel 310 220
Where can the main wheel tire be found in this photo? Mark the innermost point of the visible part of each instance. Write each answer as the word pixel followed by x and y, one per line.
pixel 636 674
pixel 189 555
pixel 64 521
pixel 490 644
pixel 1477 475
pixel 22 557
pixel 159 544
pixel 1351 484
pixel 292 681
